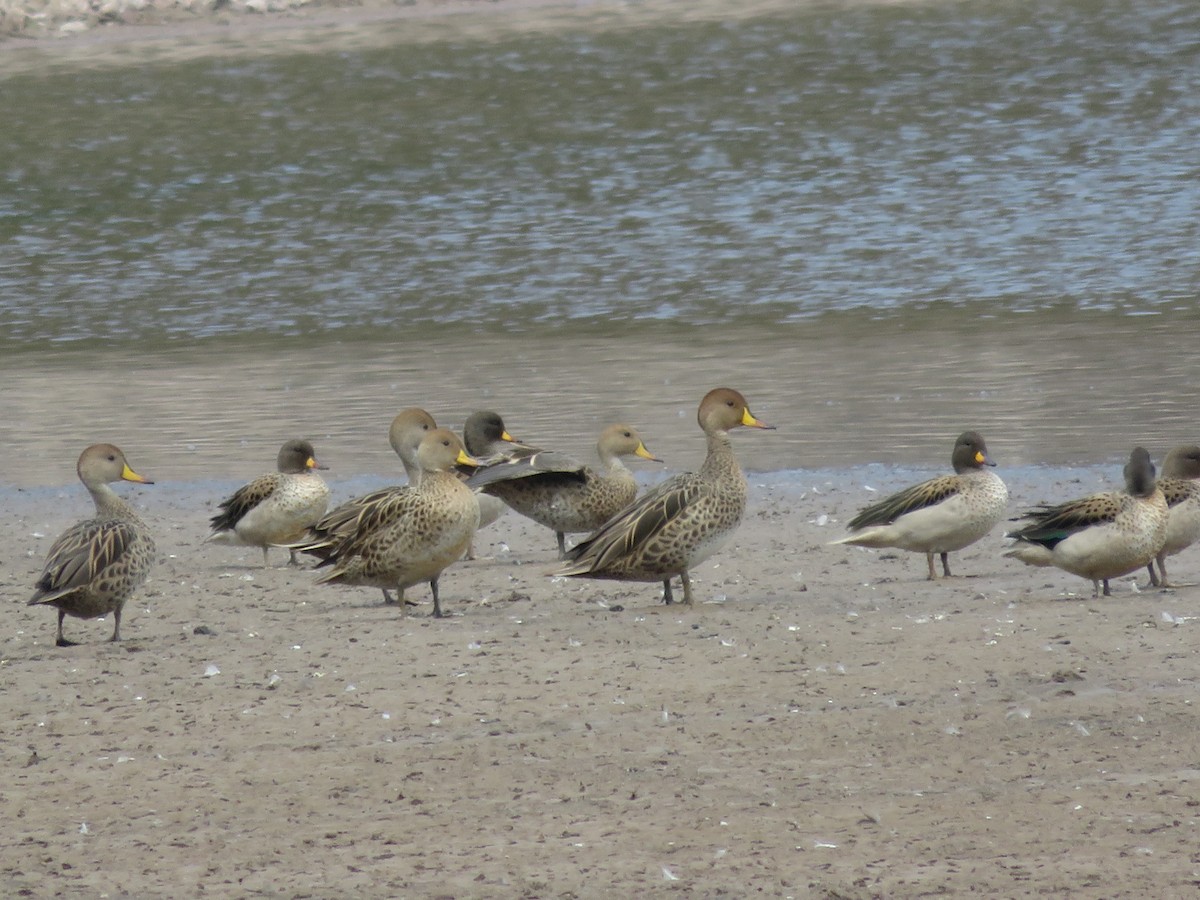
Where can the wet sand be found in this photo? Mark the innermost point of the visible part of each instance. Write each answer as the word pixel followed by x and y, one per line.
pixel 185 30
pixel 825 723
pixel 844 390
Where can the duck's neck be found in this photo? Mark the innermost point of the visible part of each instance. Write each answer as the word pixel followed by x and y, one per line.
pixel 613 467
pixel 412 470
pixel 109 504
pixel 720 460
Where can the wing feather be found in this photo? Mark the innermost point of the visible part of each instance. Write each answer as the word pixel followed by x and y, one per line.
pixel 80 554
pixel 344 528
pixel 1176 490
pixel 525 465
pixel 245 499
pixel 919 496
pixel 632 528
pixel 1053 524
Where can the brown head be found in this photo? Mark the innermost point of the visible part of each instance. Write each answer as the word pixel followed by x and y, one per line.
pixel 970 452
pixel 297 456
pixel 622 440
pixel 1182 462
pixel 723 409
pixel 408 429
pixel 103 464
pixel 441 450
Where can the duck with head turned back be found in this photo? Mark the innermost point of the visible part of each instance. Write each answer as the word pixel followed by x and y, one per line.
pixel 674 527
pixel 408 429
pixel 405 434
pixel 1100 536
pixel 277 507
pixel 96 565
pixel 941 515
pixel 427 528
pixel 1180 487
pixel 569 500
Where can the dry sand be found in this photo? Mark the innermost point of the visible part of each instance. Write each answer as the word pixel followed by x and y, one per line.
pixel 825 724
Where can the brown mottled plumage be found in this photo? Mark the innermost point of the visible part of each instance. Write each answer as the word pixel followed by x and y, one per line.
pixel 569 500
pixel 275 508
pixel 1180 487
pixel 1100 536
pixel 407 431
pixel 684 520
pixel 427 527
pixel 940 515
pixel 96 565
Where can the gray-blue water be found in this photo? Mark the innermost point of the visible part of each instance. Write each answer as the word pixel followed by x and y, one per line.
pixel 884 222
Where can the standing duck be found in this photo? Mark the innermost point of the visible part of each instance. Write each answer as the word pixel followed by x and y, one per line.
pixel 941 515
pixel 1100 536
pixel 407 430
pixel 568 499
pixel 96 565
pixel 277 507
pixel 426 527
pixel 1180 470
pixel 682 522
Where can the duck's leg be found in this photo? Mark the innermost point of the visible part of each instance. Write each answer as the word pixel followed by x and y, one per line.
pixel 116 635
pixel 562 544
pixel 437 606
pixel 293 559
pixel 1153 575
pixel 668 599
pixel 1095 587
pixel 1163 581
pixel 946 564
pixel 59 640
pixel 932 571
pixel 265 566
pixel 390 600
pixel 687 589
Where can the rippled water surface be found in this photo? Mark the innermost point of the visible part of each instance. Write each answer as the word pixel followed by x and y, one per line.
pixel 885 222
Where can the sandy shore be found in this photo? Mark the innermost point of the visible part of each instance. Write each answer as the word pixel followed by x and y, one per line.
pixel 124 21
pixel 825 724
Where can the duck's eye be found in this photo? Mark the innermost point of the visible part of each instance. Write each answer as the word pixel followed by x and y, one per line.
pixel 627 434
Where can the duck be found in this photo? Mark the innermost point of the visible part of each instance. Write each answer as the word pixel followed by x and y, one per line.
pixel 409 427
pixel 568 499
pixel 940 515
pixel 1180 487
pixel 680 523
pixel 1100 536
pixel 487 439
pixel 96 565
pixel 277 507
pixel 427 526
